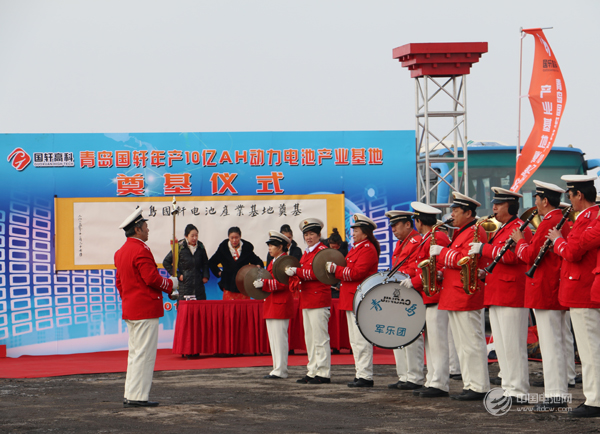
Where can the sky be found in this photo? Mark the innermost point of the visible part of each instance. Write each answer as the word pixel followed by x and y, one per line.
pixel 237 65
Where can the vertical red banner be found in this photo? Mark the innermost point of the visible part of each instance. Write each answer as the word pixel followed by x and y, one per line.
pixel 547 96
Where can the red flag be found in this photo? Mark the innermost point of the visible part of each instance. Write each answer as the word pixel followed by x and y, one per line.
pixel 547 96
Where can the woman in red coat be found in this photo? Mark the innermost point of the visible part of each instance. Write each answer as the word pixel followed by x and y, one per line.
pixel 315 302
pixel 361 262
pixel 278 308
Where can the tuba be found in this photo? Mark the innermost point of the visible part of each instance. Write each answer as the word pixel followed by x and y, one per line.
pixel 428 267
pixel 468 264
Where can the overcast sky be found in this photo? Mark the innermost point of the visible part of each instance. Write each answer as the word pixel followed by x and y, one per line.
pixel 191 65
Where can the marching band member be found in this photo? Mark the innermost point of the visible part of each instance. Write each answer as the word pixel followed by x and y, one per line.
pixel 315 302
pixel 409 360
pixel 436 321
pixel 464 311
pixel 278 308
pixel 505 296
pixel 541 294
pixel 578 252
pixel 140 287
pixel 362 262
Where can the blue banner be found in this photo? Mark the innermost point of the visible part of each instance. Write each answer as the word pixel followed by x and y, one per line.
pixel 44 311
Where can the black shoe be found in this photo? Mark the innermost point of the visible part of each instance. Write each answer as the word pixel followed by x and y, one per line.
pixel 361 382
pixel 319 380
pixel 585 411
pixel 456 377
pixel 539 383
pixel 271 377
pixel 431 392
pixel 304 380
pixel 496 381
pixel 140 404
pixel 578 379
pixel 395 385
pixel 571 386
pixel 469 395
pixel 193 356
pixel 549 405
pixel 410 386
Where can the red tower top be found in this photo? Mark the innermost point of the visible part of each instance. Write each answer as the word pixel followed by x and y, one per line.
pixel 441 59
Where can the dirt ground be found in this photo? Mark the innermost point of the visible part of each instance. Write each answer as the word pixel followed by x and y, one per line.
pixel 239 400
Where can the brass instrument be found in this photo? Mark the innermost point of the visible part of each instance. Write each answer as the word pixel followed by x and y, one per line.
pixel 468 264
pixel 428 267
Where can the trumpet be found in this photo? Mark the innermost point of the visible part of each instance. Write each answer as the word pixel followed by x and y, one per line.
pixel 468 264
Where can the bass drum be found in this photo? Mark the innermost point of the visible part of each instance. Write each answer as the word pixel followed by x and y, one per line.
pixel 387 314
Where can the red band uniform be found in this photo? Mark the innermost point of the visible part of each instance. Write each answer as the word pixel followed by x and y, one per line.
pixel 465 311
pixel 409 360
pixel 541 294
pixel 579 253
pixel 436 321
pixel 277 311
pixel 315 302
pixel 140 286
pixel 361 262
pixel 505 296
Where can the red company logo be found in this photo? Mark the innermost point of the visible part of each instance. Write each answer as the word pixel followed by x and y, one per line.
pixel 20 159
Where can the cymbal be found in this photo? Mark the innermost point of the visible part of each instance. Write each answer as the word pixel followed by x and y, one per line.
pixel 251 276
pixel 281 264
pixel 321 259
pixel 239 278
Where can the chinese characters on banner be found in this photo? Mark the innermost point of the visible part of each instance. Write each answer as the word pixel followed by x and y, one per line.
pixel 270 182
pixel 548 96
pixel 94 222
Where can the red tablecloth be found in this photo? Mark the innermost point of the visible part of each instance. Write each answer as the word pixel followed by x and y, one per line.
pixel 237 327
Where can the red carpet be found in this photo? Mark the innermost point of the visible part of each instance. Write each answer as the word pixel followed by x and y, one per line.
pixel 116 361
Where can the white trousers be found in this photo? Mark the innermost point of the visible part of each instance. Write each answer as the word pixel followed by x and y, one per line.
pixel 316 336
pixel 472 349
pixel 278 341
pixel 361 349
pixel 410 363
pixel 436 347
pixel 454 364
pixel 569 343
pixel 587 332
pixel 551 327
pixel 509 328
pixel 143 340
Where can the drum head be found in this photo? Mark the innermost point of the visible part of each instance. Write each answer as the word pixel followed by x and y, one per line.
pixel 390 316
pixel 374 280
pixel 281 264
pixel 239 278
pixel 251 276
pixel 321 259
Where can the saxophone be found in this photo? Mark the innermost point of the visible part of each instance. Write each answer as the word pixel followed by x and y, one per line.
pixel 428 267
pixel 468 264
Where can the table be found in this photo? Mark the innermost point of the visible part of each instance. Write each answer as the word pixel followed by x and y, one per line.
pixel 237 327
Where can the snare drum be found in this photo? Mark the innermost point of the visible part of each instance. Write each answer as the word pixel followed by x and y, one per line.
pixel 387 314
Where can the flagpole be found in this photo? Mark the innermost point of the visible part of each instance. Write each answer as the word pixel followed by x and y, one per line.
pixel 520 81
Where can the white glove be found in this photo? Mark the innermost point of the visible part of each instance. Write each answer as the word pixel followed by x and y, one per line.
pixel 290 271
pixel 476 248
pixel 406 283
pixel 258 283
pixel 330 267
pixel 175 282
pixel 435 250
